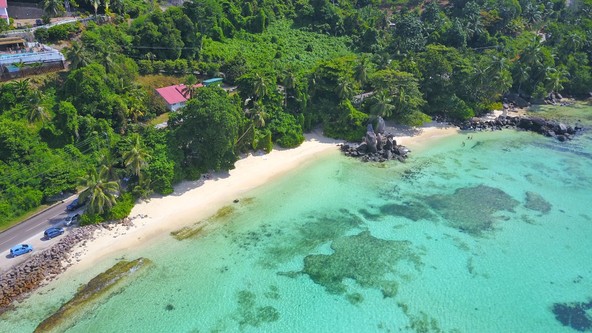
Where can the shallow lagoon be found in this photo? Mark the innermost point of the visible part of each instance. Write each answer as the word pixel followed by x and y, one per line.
pixel 491 236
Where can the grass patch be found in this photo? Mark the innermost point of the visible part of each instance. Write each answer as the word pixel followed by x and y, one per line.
pixel 281 45
pixel 5 225
pixel 163 118
pixel 154 81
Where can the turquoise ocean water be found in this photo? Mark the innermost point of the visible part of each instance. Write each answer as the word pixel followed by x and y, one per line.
pixel 492 236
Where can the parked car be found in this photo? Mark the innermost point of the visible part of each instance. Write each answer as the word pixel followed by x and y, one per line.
pixel 20 249
pixel 53 232
pixel 71 219
pixel 74 205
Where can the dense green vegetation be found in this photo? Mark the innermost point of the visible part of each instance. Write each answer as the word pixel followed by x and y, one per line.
pixel 296 65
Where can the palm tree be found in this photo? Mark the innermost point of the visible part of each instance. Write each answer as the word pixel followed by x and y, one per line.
pixel 257 116
pixel 107 61
pixel 37 113
pixel 53 7
pixel 344 89
pixel 20 65
pixel 259 87
pixel 21 88
pixel 118 6
pixel 136 158
pixel 100 193
pixel 95 4
pixel 361 71
pixel 382 105
pixel 77 56
pixel 523 75
pixel 136 107
pixel 190 86
pixel 555 78
pixel 107 168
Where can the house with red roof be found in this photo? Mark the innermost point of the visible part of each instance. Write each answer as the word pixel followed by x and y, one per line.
pixel 174 96
pixel 4 11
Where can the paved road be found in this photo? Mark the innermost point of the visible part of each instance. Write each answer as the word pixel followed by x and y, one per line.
pixel 31 232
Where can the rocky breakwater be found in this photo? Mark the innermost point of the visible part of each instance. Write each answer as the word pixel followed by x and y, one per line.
pixel 376 146
pixel 550 128
pixel 20 280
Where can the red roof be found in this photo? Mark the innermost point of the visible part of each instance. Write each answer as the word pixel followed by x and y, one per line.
pixel 172 94
pixel 3 4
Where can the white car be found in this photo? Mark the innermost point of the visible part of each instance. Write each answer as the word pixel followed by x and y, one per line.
pixel 71 219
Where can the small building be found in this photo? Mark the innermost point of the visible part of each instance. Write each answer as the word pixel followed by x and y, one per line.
pixel 29 58
pixel 213 81
pixel 175 96
pixel 12 43
pixel 4 11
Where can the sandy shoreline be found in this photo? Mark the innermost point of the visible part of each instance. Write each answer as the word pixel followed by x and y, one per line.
pixel 197 200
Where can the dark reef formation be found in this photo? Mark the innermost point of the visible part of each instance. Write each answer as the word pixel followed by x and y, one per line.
pixel 549 128
pixel 100 287
pixel 376 146
pixel 574 315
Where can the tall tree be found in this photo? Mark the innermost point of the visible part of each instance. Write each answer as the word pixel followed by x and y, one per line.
pixel 95 4
pixel 205 130
pixel 53 7
pixel 190 86
pixel 77 56
pixel 136 158
pixel 100 193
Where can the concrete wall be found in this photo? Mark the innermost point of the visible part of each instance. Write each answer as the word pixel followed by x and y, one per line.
pixel 20 10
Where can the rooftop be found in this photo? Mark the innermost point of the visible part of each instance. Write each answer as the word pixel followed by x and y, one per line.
pixel 174 94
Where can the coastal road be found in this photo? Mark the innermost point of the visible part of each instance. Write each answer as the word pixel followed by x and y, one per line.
pixel 31 232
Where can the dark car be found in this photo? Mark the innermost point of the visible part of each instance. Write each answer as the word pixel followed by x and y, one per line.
pixel 74 205
pixel 20 249
pixel 53 232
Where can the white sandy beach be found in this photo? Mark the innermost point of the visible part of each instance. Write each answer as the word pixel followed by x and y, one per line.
pixel 198 200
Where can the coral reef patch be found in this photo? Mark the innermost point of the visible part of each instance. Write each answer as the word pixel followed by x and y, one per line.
pixel 249 314
pixel 537 203
pixel 370 261
pixel 472 209
pixel 413 211
pixel 577 315
pixel 309 235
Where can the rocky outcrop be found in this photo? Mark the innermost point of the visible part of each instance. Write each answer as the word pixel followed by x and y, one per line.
pixel 550 128
pixel 376 146
pixel 20 280
pixel 97 290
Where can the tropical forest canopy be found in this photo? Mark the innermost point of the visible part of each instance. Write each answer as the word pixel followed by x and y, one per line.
pixel 296 65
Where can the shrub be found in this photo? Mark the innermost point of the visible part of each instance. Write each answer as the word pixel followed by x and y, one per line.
pixel 286 131
pixel 87 219
pixel 350 126
pixel 122 208
pixel 42 35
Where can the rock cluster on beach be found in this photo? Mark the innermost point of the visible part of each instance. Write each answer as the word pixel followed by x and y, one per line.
pixel 549 128
pixel 42 267
pixel 376 146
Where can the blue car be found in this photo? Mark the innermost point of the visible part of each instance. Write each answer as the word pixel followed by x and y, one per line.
pixel 53 232
pixel 20 249
pixel 74 205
